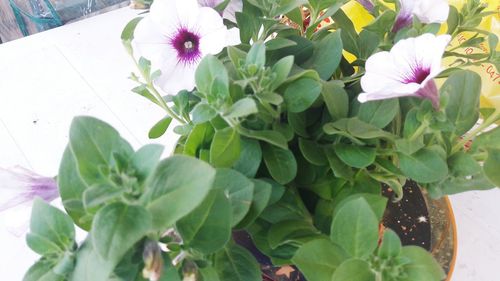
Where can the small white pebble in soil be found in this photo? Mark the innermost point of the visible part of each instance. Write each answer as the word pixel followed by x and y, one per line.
pixel 422 219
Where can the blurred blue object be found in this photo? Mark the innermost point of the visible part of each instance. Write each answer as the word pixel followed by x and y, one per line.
pixel 47 14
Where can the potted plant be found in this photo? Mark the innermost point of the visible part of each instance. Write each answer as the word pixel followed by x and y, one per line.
pixel 287 132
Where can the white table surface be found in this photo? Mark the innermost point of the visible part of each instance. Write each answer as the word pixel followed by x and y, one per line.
pixel 81 69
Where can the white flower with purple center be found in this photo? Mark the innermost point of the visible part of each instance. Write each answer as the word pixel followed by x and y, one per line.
pixel 427 11
pixel 18 188
pixel 175 36
pixel 408 69
pixel 229 12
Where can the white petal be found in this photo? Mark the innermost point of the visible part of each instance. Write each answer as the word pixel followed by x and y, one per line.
pixel 165 15
pixel 180 79
pixel 431 11
pixel 233 37
pixel 214 42
pixel 400 90
pixel 208 21
pixel 380 71
pixel 231 9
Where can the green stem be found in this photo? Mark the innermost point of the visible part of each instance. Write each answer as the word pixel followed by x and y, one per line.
pixel 161 102
pixel 419 131
pixel 490 120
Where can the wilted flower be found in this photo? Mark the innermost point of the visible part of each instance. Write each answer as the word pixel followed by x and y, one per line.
pixel 175 36
pixel 19 186
pixel 427 11
pixel 229 12
pixel 153 261
pixel 407 70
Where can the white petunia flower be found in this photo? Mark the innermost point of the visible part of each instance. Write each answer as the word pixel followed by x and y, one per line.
pixel 407 70
pixel 229 12
pixel 18 188
pixel 175 36
pixel 427 11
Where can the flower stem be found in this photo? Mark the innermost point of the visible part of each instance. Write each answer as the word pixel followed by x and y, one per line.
pixel 490 120
pixel 161 102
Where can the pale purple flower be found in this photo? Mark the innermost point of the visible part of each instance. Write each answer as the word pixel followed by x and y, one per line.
pixel 408 69
pixel 427 11
pixel 20 186
pixel 175 36
pixel 229 12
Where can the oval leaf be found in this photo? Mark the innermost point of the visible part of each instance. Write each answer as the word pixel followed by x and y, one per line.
pixel 280 162
pixel 112 234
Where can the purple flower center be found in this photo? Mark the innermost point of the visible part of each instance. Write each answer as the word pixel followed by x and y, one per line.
pixel 417 75
pixel 187 45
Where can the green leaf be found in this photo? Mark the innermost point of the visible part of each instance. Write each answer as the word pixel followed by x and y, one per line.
pixel 318 259
pixel 327 55
pixel 357 128
pixel 242 108
pixel 235 263
pixel 160 128
pixel 279 43
pixel 145 160
pixel 280 163
pixel 391 245
pixel 355 228
pixel 51 230
pixel 117 227
pixel 41 271
pixel 239 189
pixel 491 166
pixel 289 207
pixel 349 36
pixel 261 196
pixel 71 188
pixel 281 69
pixel 268 136
pixel 97 195
pixel 250 158
pixel 208 274
pixel 93 144
pixel 210 69
pixel 336 100
pixel 490 139
pixel 423 267
pixel 200 137
pixel 202 113
pixel 463 89
pixel 312 152
pixel 354 270
pixel 301 94
pixel 377 202
pixel 379 113
pixel 369 42
pixel 339 168
pixel 90 266
pixel 257 55
pixel 293 232
pixel 355 155
pixel 453 20
pixel 128 34
pixel 424 166
pixel 225 148
pixel 173 191
pixel 208 227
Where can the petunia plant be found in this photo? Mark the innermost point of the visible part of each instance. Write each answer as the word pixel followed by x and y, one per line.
pixel 289 122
